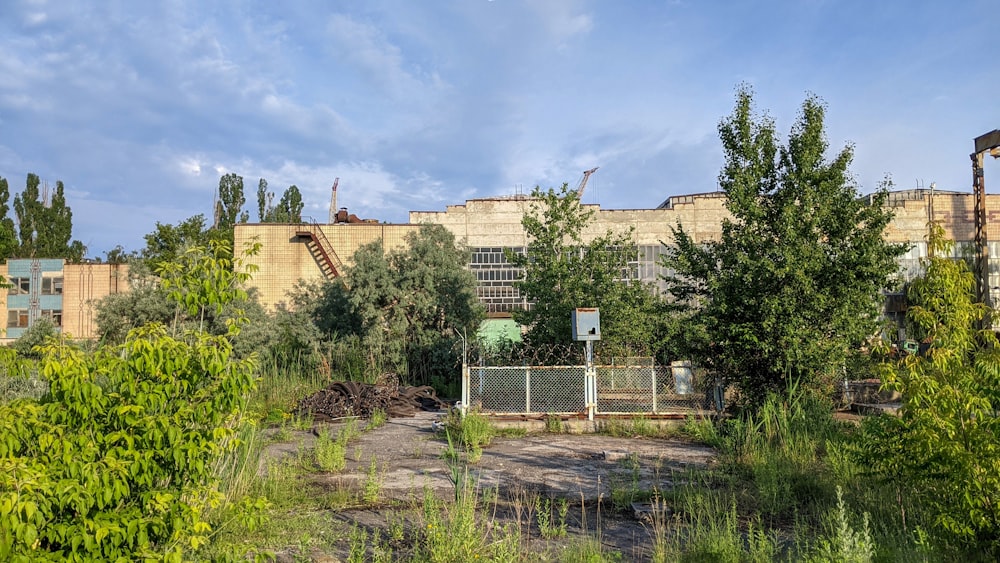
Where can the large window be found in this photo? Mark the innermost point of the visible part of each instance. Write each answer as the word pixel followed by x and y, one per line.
pixel 52 286
pixel 18 318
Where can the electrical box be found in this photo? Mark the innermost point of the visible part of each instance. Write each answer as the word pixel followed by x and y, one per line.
pixel 586 323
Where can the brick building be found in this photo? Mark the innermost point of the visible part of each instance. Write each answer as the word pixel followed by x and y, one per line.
pixel 490 225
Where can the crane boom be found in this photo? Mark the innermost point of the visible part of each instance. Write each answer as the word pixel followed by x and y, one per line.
pixel 583 182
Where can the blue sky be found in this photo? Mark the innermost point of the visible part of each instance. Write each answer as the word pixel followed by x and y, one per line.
pixel 139 107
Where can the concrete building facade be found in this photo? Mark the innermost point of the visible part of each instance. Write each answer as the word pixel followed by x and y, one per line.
pixel 490 226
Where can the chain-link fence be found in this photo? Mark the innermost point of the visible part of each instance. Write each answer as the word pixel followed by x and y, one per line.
pixel 626 389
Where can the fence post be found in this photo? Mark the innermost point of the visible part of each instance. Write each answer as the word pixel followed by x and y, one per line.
pixel 653 373
pixel 465 388
pixel 527 389
pixel 590 381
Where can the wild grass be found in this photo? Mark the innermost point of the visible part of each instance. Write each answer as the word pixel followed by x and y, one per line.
pixel 788 485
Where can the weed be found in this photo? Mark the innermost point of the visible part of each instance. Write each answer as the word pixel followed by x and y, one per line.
pixel 378 418
pixel 472 431
pixel 373 484
pixel 843 542
pixel 358 544
pixel 551 517
pixel 330 453
pixel 553 424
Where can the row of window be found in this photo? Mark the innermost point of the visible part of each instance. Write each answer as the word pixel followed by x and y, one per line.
pixel 22 286
pixel 18 318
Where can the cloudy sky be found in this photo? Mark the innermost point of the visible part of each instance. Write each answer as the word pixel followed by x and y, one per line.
pixel 139 107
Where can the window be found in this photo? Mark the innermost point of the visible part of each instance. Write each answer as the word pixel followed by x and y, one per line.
pixel 18 318
pixel 54 315
pixel 52 286
pixel 19 286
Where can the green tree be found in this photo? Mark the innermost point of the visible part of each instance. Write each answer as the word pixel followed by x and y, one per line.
pixel 944 448
pixel 167 242
pixel 408 307
pixel 290 206
pixel 288 210
pixel 8 231
pixel 28 208
pixel 229 207
pixel 45 227
pixel 264 198
pixel 563 272
pixel 793 284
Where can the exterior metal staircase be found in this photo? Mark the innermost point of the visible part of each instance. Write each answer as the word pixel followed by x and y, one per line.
pixel 321 249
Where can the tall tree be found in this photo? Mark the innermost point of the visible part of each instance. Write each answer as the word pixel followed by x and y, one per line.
pixel 288 210
pixel 28 209
pixel 794 283
pixel 290 206
pixel 45 227
pixel 8 230
pixel 229 206
pixel 563 272
pixel 263 200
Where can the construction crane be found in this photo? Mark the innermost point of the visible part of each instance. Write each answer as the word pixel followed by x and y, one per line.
pixel 333 202
pixel 583 182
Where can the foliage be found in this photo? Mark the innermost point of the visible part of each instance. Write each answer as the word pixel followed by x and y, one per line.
pixel 794 282
pixel 563 272
pixel 946 443
pixel 117 461
pixel 288 210
pixel 167 242
pixel 45 228
pixel 36 335
pixel 229 205
pixel 19 377
pixel 205 279
pixel 8 231
pixel 408 307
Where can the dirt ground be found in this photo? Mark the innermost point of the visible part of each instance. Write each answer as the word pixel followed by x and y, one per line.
pixel 587 470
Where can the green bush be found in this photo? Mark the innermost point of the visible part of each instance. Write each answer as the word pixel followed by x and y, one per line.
pixel 117 461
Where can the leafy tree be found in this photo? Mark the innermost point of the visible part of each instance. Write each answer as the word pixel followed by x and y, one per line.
pixel 794 282
pixel 945 445
pixel 562 273
pixel 288 210
pixel 29 211
pixel 118 462
pixel 408 307
pixel 8 231
pixel 167 242
pixel 229 206
pixel 264 198
pixel 290 206
pixel 45 228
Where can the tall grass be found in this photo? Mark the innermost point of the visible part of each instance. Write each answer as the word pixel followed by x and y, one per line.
pixel 280 387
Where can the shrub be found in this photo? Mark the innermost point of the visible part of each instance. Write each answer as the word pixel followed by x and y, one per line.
pixel 117 461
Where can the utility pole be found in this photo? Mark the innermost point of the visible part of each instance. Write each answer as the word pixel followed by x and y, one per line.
pixel 988 143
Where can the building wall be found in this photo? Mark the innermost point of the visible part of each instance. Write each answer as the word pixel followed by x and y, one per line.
pixel 284 258
pixel 64 293
pixel 489 226
pixel 84 285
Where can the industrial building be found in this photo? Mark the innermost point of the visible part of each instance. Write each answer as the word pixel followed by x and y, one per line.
pixel 488 226
pixel 66 294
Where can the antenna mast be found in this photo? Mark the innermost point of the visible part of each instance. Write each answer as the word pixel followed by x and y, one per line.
pixel 333 202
